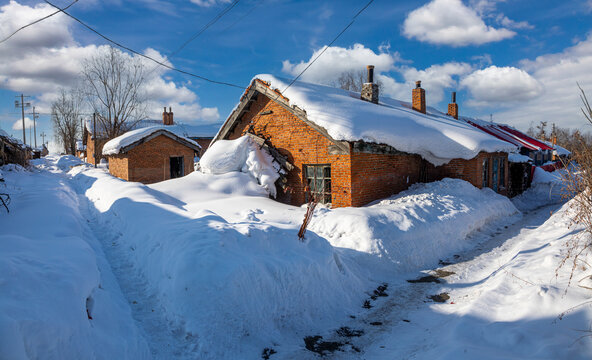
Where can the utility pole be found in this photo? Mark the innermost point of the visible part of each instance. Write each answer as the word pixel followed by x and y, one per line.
pixel 35 117
pixel 43 137
pixel 22 105
pixel 95 136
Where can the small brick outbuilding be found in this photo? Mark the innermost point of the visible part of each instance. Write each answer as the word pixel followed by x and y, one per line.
pixel 350 149
pixel 150 155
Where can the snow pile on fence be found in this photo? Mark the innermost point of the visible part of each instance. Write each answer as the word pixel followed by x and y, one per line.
pixel 417 227
pixel 437 137
pixel 114 146
pixel 235 287
pixel 51 273
pixel 244 155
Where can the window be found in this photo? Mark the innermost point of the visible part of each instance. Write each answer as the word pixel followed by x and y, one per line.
pixel 502 173
pixel 486 172
pixel 318 180
pixel 176 163
pixel 494 174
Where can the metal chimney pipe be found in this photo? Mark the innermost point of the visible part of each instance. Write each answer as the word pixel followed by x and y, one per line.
pixel 454 97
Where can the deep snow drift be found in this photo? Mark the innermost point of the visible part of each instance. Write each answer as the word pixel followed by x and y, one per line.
pixel 52 270
pixel 221 263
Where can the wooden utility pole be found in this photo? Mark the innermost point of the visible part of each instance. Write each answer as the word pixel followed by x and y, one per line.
pixel 35 117
pixel 22 105
pixel 42 137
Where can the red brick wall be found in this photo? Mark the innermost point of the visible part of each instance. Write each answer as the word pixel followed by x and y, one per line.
pixel 376 176
pixel 204 143
pixel 150 162
pixel 302 145
pixel 119 166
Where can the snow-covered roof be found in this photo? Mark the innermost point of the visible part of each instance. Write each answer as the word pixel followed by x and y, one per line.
pixel 181 129
pixel 123 143
pixel 438 138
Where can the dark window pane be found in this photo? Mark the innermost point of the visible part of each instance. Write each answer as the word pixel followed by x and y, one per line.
pixel 327 186
pixel 327 199
pixel 327 172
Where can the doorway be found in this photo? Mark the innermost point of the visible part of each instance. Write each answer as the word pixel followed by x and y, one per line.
pixel 176 163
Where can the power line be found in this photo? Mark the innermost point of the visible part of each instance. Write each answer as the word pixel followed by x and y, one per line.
pixel 331 43
pixel 205 27
pixel 35 22
pixel 142 55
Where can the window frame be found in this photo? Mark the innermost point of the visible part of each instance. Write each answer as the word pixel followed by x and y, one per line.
pixel 319 176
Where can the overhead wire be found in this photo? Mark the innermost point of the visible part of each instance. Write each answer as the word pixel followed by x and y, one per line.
pixel 143 55
pixel 35 22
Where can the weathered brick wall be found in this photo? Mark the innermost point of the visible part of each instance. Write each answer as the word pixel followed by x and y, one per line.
pixel 302 145
pixel 150 162
pixel 118 166
pixel 376 176
pixel 470 170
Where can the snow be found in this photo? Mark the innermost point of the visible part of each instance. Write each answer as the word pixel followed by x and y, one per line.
pixel 207 266
pixel 114 146
pixel 518 158
pixel 438 138
pixel 244 155
pixel 417 227
pixel 50 267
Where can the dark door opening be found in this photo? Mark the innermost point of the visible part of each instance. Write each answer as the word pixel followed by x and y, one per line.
pixel 177 167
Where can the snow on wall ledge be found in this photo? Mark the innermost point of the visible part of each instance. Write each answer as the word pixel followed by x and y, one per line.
pixel 436 137
pixel 417 227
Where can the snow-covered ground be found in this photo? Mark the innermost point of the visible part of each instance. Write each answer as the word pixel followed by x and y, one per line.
pixel 207 266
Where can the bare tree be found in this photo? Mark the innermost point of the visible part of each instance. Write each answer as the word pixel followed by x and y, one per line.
pixel 113 86
pixel 65 117
pixel 353 80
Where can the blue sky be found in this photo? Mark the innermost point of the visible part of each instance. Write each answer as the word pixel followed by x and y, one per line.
pixel 517 60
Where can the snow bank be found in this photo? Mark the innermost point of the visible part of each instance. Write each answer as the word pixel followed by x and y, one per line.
pixel 417 227
pixel 438 138
pixel 244 155
pixel 114 146
pixel 234 287
pixel 51 273
pixel 546 188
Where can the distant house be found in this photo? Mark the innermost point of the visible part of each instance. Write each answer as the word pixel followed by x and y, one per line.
pixel 95 139
pixel 150 155
pixel 349 149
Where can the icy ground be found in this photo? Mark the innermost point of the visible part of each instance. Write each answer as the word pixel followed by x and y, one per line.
pixel 208 267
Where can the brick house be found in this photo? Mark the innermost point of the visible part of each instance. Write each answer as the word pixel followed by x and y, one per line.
pixel 150 155
pixel 351 149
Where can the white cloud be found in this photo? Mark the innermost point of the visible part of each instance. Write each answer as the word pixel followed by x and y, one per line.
pixel 337 60
pixel 450 22
pixel 504 21
pixel 560 102
pixel 501 84
pixel 18 125
pixel 43 58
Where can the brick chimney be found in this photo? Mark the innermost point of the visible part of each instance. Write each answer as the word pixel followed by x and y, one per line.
pixel 453 106
pixel 167 117
pixel 418 98
pixel 369 88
